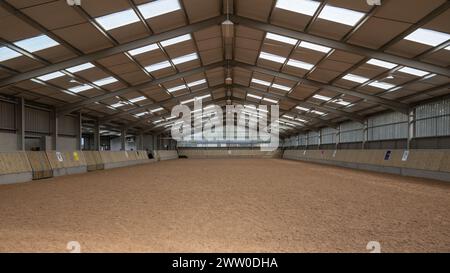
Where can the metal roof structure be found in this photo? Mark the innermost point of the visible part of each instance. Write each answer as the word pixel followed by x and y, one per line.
pixel 128 62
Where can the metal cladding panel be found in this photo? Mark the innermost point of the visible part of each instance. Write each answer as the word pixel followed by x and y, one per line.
pixel 433 119
pixel 392 125
pixel 351 132
pixel 7 116
pixel 328 135
pixel 37 121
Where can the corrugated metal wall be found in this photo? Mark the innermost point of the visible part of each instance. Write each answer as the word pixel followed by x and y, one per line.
pixel 433 119
pixel 37 121
pixel 67 125
pixel 313 138
pixel 393 125
pixel 7 116
pixel 351 132
pixel 328 135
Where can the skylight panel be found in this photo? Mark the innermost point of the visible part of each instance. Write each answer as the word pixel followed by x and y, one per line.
pixel 272 57
pixel 51 76
pixel 185 58
pixel 302 108
pixel 270 100
pixel 199 82
pixel 143 49
pixel 261 82
pixel 141 114
pixel 117 105
pixel 80 88
pixel 428 37
pixel 281 87
pixel 7 54
pixel 317 112
pixel 254 96
pixel 176 40
pixel 382 85
pixel 381 63
pixel 117 19
pixel 158 66
pixel 196 98
pixel 138 99
pixel 320 97
pixel 314 47
pixel 279 38
pixel 355 78
pixel 305 7
pixel 105 81
pixel 176 88
pixel 341 15
pixel 36 43
pixel 341 102
pixel 156 110
pixel 300 64
pixel 413 71
pixel 81 67
pixel 157 8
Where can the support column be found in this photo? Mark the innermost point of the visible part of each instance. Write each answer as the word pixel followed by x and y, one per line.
pixel 79 131
pixel 20 124
pixel 319 139
pixel 123 139
pixel 338 137
pixel 140 141
pixel 155 142
pixel 411 128
pixel 365 133
pixel 97 143
pixel 55 131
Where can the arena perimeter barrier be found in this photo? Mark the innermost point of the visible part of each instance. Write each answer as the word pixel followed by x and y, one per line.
pixel 432 164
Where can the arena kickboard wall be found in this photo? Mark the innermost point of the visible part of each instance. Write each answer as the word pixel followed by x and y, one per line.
pixel 432 164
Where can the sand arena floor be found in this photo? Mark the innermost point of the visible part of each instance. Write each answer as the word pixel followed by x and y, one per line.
pixel 242 205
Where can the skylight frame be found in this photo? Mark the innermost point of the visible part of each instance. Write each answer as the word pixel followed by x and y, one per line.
pixel 80 67
pixel 341 15
pixel 158 8
pixel 305 7
pixel 355 78
pixel 413 71
pixel 117 19
pixel 158 66
pixel 36 43
pixel 382 85
pixel 8 54
pixel 176 40
pixel 281 38
pixel 381 63
pixel 428 37
pixel 315 47
pixel 51 76
pixel 105 81
pixel 144 49
pixel 254 96
pixel 261 82
pixel 300 64
pixel 185 58
pixel 272 57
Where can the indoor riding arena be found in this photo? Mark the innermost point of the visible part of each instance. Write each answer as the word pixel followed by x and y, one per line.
pixel 225 126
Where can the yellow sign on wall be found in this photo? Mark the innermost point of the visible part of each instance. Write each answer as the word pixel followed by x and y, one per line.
pixel 75 156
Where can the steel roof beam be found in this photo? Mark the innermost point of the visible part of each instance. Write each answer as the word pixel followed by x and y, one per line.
pixel 396 106
pixel 112 50
pixel 355 49
pixel 70 107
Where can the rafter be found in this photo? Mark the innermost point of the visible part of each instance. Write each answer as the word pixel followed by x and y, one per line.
pixel 359 50
pixel 78 105
pixel 112 50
